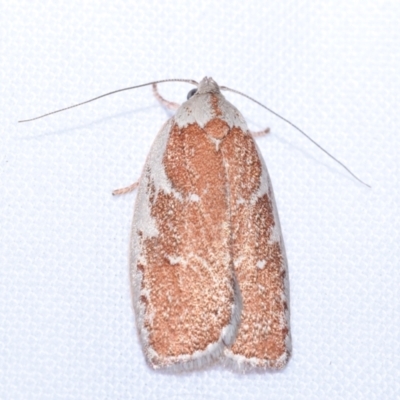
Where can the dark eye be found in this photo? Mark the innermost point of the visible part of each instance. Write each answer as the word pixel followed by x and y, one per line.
pixel 191 93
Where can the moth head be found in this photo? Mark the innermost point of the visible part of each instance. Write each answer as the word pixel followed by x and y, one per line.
pixel 208 85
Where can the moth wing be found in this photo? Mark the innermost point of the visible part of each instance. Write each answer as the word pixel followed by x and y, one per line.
pixel 184 291
pixel 263 339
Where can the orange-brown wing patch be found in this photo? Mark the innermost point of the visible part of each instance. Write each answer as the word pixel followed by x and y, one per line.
pixel 187 284
pixel 263 338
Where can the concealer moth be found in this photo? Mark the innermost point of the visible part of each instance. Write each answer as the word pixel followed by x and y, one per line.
pixel 208 268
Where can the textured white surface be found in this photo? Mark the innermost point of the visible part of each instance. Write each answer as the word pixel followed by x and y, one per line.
pixel 67 328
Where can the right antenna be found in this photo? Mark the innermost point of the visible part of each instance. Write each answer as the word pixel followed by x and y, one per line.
pixel 298 129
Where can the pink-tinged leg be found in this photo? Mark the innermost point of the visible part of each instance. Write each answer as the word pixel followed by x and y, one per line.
pixel 260 133
pixel 167 104
pixel 127 189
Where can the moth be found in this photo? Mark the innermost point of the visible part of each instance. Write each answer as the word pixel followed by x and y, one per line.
pixel 207 261
pixel 208 268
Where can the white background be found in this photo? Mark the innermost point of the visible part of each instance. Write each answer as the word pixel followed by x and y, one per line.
pixel 67 329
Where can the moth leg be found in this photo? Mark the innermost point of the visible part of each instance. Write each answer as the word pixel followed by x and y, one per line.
pixel 167 104
pixel 125 190
pixel 260 133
